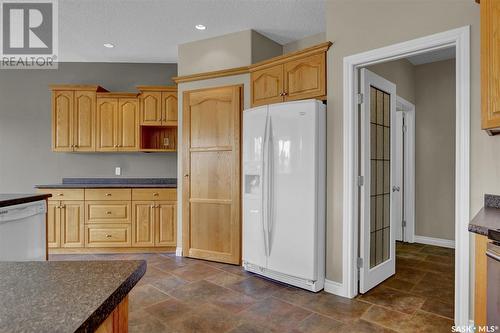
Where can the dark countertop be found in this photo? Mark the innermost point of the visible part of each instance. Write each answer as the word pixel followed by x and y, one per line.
pixel 113 183
pixel 17 199
pixel 63 296
pixel 488 217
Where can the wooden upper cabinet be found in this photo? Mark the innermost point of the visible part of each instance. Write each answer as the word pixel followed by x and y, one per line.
pixel 107 124
pixel 74 117
pixel 117 122
pixel 128 124
pixel 62 120
pixel 294 76
pixel 84 121
pixel 158 105
pixel 267 85
pixel 151 112
pixel 305 78
pixel 490 65
pixel 169 108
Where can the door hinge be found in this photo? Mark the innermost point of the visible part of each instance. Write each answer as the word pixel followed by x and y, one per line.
pixel 403 223
pixel 359 263
pixel 359 98
pixel 404 128
pixel 361 181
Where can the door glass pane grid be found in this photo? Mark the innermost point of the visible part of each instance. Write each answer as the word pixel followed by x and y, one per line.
pixel 380 123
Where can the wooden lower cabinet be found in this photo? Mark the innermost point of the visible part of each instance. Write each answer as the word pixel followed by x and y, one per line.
pixel 117 321
pixel 111 218
pixel 72 224
pixel 143 231
pixel 154 224
pixel 107 235
pixel 53 224
pixel 166 224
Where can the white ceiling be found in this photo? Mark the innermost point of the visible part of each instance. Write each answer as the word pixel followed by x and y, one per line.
pixel 432 56
pixel 150 30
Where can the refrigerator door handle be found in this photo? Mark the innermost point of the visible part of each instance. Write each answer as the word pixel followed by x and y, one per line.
pixel 270 213
pixel 265 192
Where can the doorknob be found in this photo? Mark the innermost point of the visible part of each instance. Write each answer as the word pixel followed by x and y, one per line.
pixel 395 188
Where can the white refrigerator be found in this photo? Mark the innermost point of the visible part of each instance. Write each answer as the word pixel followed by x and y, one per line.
pixel 284 192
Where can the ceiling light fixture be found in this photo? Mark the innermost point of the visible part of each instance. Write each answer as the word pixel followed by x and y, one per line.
pixel 200 27
pixel 109 45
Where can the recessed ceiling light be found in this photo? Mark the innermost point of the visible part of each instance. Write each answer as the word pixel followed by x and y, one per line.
pixel 200 27
pixel 109 45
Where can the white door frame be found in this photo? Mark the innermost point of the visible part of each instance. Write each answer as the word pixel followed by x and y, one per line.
pixel 403 106
pixel 460 39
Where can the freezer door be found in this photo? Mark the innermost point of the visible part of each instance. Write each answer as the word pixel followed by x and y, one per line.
pixel 293 198
pixel 254 135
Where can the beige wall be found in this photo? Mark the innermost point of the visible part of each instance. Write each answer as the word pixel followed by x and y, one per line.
pixel 435 150
pixel 400 72
pixel 243 79
pixel 356 26
pixel 304 43
pixel 264 48
pixel 228 51
pixel 26 158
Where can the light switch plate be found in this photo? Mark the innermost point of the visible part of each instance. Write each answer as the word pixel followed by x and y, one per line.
pixel 118 171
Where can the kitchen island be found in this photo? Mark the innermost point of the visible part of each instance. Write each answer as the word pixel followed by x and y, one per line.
pixel 67 296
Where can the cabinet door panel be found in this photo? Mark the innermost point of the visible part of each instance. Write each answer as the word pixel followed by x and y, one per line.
pixel 53 224
pixel 169 108
pixel 128 125
pixel 151 113
pixel 84 121
pixel 72 224
pixel 267 85
pixel 143 223
pixel 305 78
pixel 166 224
pixel 62 119
pixel 490 63
pixel 107 124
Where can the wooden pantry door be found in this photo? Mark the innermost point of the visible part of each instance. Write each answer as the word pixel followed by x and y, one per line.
pixel 211 166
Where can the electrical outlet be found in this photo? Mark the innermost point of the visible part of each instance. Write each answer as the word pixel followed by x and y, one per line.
pixel 118 171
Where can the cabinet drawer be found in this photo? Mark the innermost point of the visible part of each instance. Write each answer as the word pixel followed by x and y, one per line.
pixel 107 211
pixel 104 235
pixel 152 194
pixel 63 194
pixel 107 194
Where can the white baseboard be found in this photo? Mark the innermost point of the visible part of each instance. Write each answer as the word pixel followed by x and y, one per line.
pixel 335 288
pixel 435 241
pixel 178 252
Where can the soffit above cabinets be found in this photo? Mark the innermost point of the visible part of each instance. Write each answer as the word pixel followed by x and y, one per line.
pixel 150 30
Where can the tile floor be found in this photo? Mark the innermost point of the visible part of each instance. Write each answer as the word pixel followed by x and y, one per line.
pixel 187 295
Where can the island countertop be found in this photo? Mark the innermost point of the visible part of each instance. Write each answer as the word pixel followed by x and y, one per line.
pixel 63 296
pixel 17 199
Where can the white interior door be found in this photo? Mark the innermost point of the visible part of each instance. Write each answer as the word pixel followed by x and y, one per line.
pixel 381 191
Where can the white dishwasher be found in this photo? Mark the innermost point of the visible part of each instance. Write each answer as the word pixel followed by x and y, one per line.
pixel 23 232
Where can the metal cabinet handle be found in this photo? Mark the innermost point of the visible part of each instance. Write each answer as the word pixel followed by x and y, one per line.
pixel 156 194
pixel 108 212
pixel 395 188
pixel 60 194
pixel 186 175
pixel 108 236
pixel 108 194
